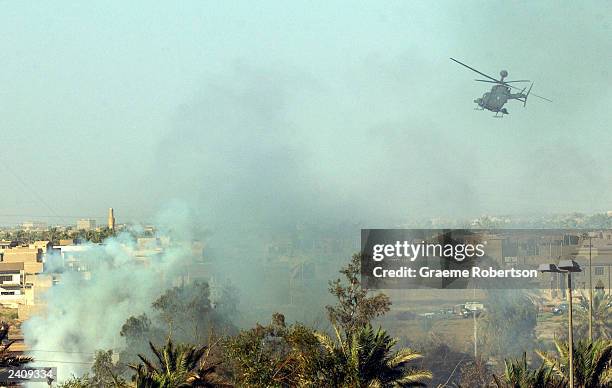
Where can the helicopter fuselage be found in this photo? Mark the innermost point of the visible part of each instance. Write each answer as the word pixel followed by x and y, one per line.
pixel 497 98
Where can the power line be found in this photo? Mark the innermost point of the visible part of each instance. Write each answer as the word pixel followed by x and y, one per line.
pixel 67 362
pixel 27 187
pixel 49 216
pixel 58 351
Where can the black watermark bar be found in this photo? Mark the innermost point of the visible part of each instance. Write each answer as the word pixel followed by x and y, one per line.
pixel 10 375
pixel 484 258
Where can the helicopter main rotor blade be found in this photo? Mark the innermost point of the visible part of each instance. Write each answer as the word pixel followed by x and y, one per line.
pixel 501 83
pixel 471 68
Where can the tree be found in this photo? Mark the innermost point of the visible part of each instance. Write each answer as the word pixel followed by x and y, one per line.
pixel 475 373
pixel 188 312
pixel 517 374
pixel 183 313
pixel 138 331
pixel 95 236
pixel 355 308
pixel 364 358
pixel 77 382
pixel 509 323
pixel 176 367
pixel 136 328
pixel 272 356
pixel 105 372
pixel 602 318
pixel 8 358
pixel 592 363
pixel 226 302
pixel 447 364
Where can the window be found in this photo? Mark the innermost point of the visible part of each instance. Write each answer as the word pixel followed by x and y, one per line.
pixel 599 271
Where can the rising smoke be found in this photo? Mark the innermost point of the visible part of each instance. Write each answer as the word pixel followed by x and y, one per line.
pixel 85 311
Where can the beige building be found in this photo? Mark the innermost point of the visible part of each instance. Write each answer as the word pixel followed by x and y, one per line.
pixel 7 244
pixel 601 263
pixel 12 281
pixel 86 224
pixel 44 245
pixel 31 258
pixel 33 225
pixel 22 282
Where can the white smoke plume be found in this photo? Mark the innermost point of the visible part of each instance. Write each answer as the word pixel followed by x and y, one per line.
pixel 85 313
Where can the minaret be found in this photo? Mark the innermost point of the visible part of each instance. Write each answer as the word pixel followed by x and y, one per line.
pixel 111 219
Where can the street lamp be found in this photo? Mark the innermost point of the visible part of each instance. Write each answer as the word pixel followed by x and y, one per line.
pixel 566 266
pixel 590 284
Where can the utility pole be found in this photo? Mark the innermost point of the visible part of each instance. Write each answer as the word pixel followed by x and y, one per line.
pixel 475 329
pixel 567 266
pixel 475 336
pixel 571 331
pixel 590 290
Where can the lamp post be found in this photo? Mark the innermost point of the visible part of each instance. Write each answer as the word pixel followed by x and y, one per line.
pixel 590 289
pixel 590 285
pixel 566 266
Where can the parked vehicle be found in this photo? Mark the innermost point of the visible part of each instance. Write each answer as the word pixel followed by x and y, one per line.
pixel 560 309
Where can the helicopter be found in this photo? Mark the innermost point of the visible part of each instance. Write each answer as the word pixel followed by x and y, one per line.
pixel 500 93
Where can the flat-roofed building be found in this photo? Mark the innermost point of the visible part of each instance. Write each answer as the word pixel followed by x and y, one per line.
pixel 43 245
pixel 601 266
pixel 71 255
pixel 34 225
pixel 12 280
pixel 86 224
pixel 7 244
pixel 30 257
pixel 33 302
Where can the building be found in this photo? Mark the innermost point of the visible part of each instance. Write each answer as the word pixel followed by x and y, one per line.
pixel 33 225
pixel 71 256
pixel 22 282
pixel 7 244
pixel 12 281
pixel 111 219
pixel 31 258
pixel 86 224
pixel 601 263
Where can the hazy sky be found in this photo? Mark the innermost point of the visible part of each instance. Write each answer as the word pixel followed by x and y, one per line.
pixel 271 111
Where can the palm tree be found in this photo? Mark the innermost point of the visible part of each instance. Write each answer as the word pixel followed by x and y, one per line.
pixel 205 376
pixel 8 358
pixel 364 358
pixel 517 374
pixel 176 367
pixel 602 317
pixel 592 363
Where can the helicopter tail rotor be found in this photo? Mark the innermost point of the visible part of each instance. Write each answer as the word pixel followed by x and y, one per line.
pixel 527 95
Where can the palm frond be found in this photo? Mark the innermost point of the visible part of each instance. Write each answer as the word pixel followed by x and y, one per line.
pixel 403 356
